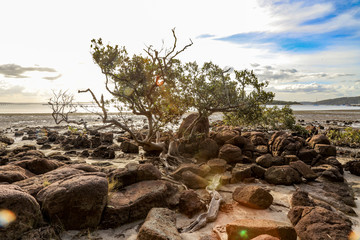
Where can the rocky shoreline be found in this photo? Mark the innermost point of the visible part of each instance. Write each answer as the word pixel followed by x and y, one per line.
pixel 67 184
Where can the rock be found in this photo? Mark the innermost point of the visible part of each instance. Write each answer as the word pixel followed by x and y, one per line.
pixel 265 237
pixel 329 172
pixel 307 155
pixel 251 228
pixel 230 153
pixel 318 139
pixel 253 197
pixel 282 175
pixel 34 184
pixel 12 173
pixel 6 140
pixel 45 147
pixel 262 149
pixel 60 157
pixel 265 161
pixel 241 172
pixel 217 165
pixel 290 158
pixel 320 223
pixel 133 173
pixel 95 141
pixel 207 149
pixel 190 203
pixel 353 167
pixel 135 201
pixel 224 136
pixel 73 203
pixel 38 165
pixel 42 233
pixel 282 143
pixel 103 151
pixel 106 138
pixel 297 212
pixel 160 224
pixel 304 170
pixel 85 167
pixel 24 148
pixel 238 141
pixel 30 153
pixel 129 147
pixel 225 178
pixel 301 198
pixel 257 138
pixel 198 170
pixel 193 181
pixel 201 127
pixel 23 206
pixel 325 150
pixel 330 161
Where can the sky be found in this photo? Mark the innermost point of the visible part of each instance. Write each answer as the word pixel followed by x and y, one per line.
pixel 306 50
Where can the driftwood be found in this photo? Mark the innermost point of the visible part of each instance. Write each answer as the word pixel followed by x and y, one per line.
pixel 209 216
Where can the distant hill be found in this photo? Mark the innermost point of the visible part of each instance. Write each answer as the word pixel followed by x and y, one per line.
pixel 279 102
pixel 340 101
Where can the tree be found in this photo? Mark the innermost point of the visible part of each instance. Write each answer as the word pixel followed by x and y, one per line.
pixel 211 89
pixel 148 86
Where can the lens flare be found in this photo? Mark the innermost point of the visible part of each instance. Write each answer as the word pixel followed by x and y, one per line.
pixel 6 217
pixel 354 236
pixel 243 234
pixel 159 81
pixel 215 183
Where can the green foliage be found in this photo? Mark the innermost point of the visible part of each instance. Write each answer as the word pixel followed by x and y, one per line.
pixel 347 136
pixel 76 131
pixel 148 86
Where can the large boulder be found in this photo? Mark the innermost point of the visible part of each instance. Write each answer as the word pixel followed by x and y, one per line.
pixel 34 184
pixel 160 224
pixel 201 127
pixel 11 173
pixel 325 150
pixel 307 155
pixel 231 153
pixel 265 161
pixel 226 135
pixel 76 202
pixel 318 139
pixel 282 143
pixel 133 173
pixel 320 223
pixel 135 201
pixel 253 197
pixel 282 175
pixel 304 170
pixel 251 228
pixel 217 165
pixel 207 149
pixel 39 165
pixel 20 212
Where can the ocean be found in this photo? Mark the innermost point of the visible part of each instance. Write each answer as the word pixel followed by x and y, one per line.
pixel 43 108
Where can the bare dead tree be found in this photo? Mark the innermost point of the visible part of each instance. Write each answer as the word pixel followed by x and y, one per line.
pixel 62 107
